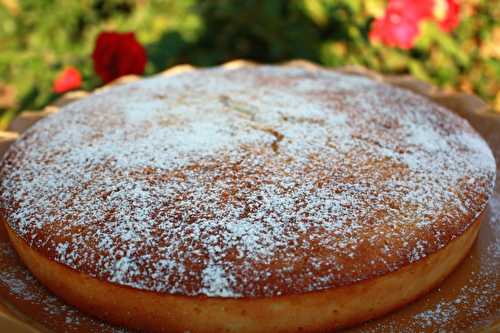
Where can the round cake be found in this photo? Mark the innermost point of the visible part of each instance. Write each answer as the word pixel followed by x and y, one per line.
pixel 255 199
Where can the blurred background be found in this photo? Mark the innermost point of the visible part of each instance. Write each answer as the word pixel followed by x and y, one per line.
pixel 454 44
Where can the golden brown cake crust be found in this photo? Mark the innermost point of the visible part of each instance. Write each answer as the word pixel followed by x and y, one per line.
pixel 252 182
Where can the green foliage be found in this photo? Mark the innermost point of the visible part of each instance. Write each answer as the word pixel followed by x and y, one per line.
pixel 40 38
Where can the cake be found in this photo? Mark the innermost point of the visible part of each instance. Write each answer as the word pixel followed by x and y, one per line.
pixel 256 199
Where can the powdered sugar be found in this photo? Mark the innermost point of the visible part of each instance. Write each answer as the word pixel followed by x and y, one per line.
pixel 222 182
pixel 474 302
pixel 20 284
pixel 494 247
pixel 216 281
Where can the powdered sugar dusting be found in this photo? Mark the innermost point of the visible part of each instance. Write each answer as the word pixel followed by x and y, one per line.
pixel 25 289
pixel 216 282
pixel 475 300
pixel 473 306
pixel 247 182
pixel 494 247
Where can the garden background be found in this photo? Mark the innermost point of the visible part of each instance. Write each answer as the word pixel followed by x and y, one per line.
pixel 41 38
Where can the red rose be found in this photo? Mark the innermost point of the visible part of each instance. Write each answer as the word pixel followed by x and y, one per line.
pixel 117 54
pixel 68 79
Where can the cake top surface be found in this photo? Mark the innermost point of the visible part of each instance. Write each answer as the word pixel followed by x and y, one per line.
pixel 250 182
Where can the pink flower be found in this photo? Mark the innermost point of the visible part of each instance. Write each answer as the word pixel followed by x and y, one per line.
pixel 400 25
pixel 68 79
pixel 415 10
pixel 395 31
pixel 447 14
